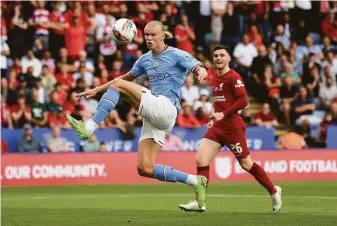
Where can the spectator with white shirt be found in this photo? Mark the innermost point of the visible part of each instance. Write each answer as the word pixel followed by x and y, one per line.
pixel 4 48
pixel 204 103
pixel 327 92
pixel 83 61
pixel 244 53
pixel 84 74
pixel 31 60
pixel 107 46
pixel 189 92
pixel 281 36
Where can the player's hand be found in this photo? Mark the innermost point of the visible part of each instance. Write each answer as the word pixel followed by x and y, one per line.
pixel 201 73
pixel 87 94
pixel 217 116
pixel 210 124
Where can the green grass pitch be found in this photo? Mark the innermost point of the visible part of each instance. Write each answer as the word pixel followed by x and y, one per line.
pixel 304 203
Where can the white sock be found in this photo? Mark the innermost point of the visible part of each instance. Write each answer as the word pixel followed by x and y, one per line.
pixel 192 179
pixel 91 126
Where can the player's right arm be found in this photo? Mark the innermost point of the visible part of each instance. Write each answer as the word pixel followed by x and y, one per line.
pixel 136 70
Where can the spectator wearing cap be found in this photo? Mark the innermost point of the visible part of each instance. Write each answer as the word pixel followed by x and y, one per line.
pixel 55 142
pixel 204 103
pixel 189 92
pixel 58 119
pixel 186 118
pixel 265 117
pixel 38 111
pixel 28 143
pixel 20 112
pixel 30 60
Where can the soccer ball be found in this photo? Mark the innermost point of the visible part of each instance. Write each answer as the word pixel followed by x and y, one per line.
pixel 124 31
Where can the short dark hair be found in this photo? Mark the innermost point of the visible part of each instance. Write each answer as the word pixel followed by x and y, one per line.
pixel 221 47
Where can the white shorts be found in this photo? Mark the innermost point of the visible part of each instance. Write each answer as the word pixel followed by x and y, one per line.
pixel 159 116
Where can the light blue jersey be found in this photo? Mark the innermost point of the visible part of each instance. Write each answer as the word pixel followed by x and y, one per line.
pixel 166 71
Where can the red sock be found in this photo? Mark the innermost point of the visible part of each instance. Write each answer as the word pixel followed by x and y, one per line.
pixel 261 176
pixel 203 171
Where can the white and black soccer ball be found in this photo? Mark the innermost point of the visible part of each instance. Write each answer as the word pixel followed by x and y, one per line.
pixel 124 31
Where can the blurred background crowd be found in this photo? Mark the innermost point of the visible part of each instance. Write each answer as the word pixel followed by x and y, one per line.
pixel 285 52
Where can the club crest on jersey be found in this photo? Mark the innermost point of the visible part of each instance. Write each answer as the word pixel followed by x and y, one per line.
pixel 155 63
pixel 239 84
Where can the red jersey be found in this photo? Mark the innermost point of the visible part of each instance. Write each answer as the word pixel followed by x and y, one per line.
pixel 265 117
pixel 226 90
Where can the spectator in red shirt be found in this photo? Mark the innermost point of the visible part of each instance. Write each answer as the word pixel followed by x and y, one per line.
pixel 72 101
pixel 16 66
pixel 265 117
pixel 184 35
pixel 75 36
pixel 186 119
pixel 4 147
pixel 130 50
pixel 58 119
pixel 6 120
pixel 116 70
pixel 64 78
pixel 21 112
pixel 58 24
pixel 329 27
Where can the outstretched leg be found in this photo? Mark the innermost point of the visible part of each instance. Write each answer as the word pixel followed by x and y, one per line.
pixel 108 102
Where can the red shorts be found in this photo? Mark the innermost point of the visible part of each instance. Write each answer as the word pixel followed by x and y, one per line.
pixel 234 139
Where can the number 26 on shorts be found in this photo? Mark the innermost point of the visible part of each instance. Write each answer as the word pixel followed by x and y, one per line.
pixel 236 149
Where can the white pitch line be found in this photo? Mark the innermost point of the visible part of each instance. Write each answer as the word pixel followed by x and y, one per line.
pixel 157 195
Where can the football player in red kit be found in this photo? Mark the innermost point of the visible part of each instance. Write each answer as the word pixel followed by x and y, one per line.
pixel 226 127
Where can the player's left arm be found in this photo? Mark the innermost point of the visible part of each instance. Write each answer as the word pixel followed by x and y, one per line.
pixel 188 62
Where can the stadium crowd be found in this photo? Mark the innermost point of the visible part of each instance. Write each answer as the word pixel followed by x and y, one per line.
pixel 285 52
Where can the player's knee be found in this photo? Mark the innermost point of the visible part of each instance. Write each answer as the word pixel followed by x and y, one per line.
pixel 246 164
pixel 145 170
pixel 201 161
pixel 116 83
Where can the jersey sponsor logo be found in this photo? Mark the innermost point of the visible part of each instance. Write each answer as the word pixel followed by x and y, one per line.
pixel 157 78
pixel 239 84
pixel 220 87
pixel 219 99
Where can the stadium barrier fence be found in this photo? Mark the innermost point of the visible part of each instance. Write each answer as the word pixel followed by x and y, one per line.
pixel 120 168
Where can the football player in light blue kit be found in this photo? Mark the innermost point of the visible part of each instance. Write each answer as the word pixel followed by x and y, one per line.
pixel 166 68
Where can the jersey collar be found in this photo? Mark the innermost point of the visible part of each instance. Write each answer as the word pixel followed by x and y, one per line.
pixel 165 48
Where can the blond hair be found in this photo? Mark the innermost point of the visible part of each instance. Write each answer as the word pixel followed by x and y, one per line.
pixel 167 34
